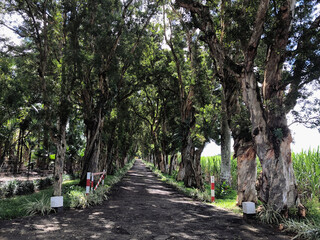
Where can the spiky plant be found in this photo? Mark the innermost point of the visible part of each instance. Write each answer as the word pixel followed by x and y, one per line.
pixel 304 229
pixel 38 206
pixel 270 215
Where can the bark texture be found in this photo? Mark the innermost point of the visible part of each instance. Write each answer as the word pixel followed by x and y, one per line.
pixel 225 144
pixel 247 172
pixel 270 132
pixel 60 156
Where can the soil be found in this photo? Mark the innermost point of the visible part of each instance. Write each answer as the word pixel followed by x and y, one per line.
pixel 139 207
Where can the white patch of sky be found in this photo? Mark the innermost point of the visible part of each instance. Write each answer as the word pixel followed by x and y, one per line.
pixel 11 21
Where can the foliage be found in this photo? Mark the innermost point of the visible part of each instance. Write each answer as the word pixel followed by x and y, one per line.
pixel 222 190
pixel 25 187
pixel 16 187
pixel 9 188
pixel 269 214
pixel 78 198
pixel 43 183
pixel 307 171
pixel 210 166
pixel 304 229
pixel 41 206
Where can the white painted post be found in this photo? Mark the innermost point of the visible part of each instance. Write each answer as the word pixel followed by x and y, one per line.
pixel 249 210
pixel 249 207
pixel 57 203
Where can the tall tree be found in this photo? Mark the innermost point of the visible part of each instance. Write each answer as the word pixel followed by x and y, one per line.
pixel 265 103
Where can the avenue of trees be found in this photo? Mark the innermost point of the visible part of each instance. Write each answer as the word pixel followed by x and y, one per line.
pixel 94 83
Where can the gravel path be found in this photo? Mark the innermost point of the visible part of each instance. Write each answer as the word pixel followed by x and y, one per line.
pixel 140 207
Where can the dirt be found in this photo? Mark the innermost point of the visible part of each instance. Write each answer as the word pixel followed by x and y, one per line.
pixel 139 207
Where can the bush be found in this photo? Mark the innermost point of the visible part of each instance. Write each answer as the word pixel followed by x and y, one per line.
pixel 77 197
pixel 43 183
pixel 26 187
pixel 94 199
pixel 102 192
pixel 222 190
pixel 41 206
pixel 10 188
pixel 304 229
pixel 269 215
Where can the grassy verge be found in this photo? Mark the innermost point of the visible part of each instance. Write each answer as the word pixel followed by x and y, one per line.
pixel 15 207
pixel 227 200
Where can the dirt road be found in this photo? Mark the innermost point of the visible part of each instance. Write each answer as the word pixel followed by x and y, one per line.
pixel 140 207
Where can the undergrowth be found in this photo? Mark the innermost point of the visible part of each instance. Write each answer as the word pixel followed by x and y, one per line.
pixel 73 197
pixel 226 200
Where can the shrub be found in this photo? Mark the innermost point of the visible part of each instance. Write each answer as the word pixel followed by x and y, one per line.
pixel 77 197
pixel 41 206
pixel 222 190
pixel 269 214
pixel 102 192
pixel 43 183
pixel 304 229
pixel 26 187
pixel 94 199
pixel 10 188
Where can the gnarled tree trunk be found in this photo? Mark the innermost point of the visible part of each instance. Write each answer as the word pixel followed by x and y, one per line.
pixel 225 172
pixel 247 171
pixel 92 151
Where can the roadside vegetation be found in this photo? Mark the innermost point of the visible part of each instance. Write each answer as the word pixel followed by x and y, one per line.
pixel 73 196
pixel 307 170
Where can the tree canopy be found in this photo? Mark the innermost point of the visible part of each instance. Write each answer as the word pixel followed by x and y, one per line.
pixel 94 83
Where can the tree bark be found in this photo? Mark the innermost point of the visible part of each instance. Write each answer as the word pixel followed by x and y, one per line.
pixel 189 168
pixel 173 158
pixel 225 175
pixel 247 171
pixel 92 151
pixel 60 156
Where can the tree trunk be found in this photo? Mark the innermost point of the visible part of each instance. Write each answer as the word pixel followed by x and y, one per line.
pixel 60 156
pixel 247 171
pixel 225 144
pixel 189 168
pixel 92 151
pixel 278 186
pixel 172 162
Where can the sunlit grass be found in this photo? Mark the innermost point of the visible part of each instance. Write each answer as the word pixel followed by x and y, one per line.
pixel 228 201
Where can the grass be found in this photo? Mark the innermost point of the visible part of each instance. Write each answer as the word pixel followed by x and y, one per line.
pixel 17 206
pixel 226 201
pixel 306 165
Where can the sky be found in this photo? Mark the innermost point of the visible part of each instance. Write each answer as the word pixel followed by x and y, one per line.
pixel 303 139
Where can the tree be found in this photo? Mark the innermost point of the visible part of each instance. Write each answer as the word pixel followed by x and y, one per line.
pixel 265 103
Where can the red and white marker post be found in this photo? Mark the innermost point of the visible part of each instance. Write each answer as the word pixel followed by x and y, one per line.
pixel 88 183
pixel 90 180
pixel 212 189
pixel 100 179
